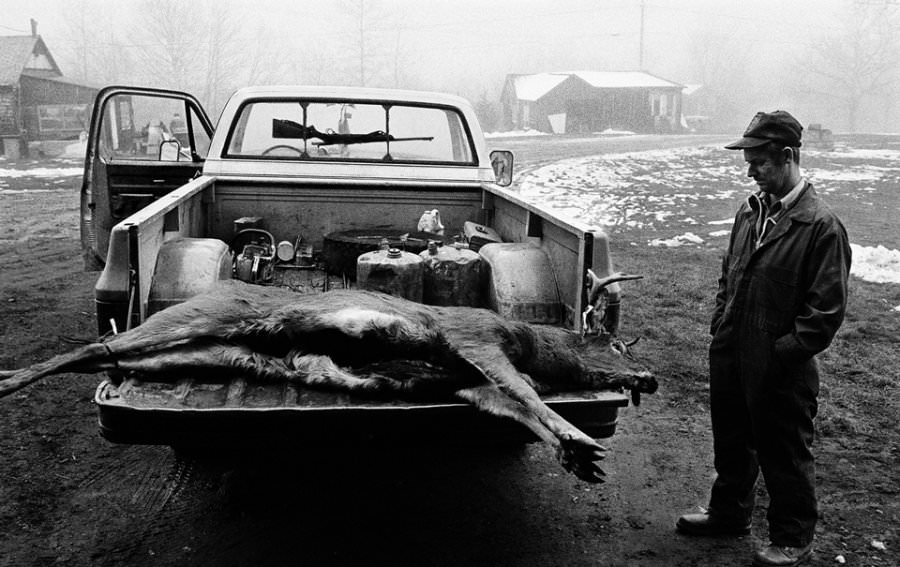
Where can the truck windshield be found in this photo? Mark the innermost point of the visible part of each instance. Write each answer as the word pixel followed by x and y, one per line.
pixel 354 131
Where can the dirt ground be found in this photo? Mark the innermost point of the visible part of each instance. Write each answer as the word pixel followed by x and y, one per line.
pixel 68 497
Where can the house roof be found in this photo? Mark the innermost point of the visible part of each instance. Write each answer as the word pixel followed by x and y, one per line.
pixel 691 89
pixel 16 51
pixel 533 87
pixel 62 80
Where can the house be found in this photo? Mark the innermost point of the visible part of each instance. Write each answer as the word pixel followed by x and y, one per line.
pixel 591 101
pixel 38 105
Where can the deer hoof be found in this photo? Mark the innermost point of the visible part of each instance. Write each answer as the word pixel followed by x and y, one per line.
pixel 580 455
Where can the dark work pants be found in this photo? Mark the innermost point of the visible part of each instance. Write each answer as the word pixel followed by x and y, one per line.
pixel 762 420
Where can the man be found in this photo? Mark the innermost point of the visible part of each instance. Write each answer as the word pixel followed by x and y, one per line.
pixel 781 298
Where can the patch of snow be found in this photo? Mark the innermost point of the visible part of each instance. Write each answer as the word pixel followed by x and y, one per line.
pixel 612 132
pixel 718 233
pixel 7 191
pixel 675 241
pixel 849 174
pixel 42 172
pixel 866 154
pixel 515 133
pixel 875 264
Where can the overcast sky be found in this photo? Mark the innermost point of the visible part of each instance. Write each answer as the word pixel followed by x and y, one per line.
pixel 468 46
pixel 460 39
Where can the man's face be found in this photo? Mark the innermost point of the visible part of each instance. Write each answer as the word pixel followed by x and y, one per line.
pixel 764 167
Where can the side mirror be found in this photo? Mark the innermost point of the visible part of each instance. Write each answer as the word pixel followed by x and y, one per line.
pixel 169 150
pixel 502 162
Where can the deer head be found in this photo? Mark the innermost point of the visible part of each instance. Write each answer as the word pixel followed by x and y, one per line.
pixel 601 293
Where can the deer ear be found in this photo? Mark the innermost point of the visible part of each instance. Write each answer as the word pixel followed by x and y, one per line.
pixel 592 284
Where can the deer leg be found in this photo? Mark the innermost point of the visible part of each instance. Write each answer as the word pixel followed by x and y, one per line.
pixel 576 451
pixel 490 399
pixel 89 358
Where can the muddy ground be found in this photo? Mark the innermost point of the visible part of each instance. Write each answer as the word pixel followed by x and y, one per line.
pixel 68 497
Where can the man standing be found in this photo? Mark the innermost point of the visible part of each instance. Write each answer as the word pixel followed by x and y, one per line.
pixel 781 298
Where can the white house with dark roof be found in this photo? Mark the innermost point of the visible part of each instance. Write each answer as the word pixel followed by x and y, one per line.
pixel 591 101
pixel 37 103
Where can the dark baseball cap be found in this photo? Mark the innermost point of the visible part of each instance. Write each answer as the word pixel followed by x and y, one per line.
pixel 778 126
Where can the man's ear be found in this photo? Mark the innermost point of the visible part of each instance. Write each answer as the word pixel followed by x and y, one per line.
pixel 788 153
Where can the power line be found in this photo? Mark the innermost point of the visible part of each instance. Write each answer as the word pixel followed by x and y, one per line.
pixel 15 30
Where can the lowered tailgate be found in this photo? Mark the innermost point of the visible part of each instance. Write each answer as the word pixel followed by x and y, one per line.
pixel 235 412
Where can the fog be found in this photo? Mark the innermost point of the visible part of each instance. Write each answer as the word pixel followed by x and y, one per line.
pixel 835 62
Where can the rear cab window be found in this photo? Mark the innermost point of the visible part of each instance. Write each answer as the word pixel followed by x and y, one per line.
pixel 327 130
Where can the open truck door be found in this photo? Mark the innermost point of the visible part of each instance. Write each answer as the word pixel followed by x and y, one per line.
pixel 143 143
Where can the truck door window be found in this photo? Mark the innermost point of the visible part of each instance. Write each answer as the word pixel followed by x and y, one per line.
pixel 151 128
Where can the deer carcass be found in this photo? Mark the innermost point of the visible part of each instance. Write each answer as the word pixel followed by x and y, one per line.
pixel 374 343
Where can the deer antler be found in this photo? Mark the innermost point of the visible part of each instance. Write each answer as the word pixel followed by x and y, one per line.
pixel 597 282
pixel 599 298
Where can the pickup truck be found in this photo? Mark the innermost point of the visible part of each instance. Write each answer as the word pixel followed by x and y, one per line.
pixel 289 184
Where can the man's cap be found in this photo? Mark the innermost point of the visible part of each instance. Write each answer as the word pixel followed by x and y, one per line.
pixel 778 126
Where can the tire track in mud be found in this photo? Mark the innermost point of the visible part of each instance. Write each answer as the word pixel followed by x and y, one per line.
pixel 158 493
pixel 39 261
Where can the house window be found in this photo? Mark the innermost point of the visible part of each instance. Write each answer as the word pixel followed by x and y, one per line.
pixel 63 119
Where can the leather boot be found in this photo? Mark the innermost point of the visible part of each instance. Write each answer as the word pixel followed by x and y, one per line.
pixel 782 556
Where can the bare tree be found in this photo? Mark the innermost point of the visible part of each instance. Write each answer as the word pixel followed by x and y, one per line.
pixel 225 54
pixel 720 65
pixel 92 51
pixel 367 41
pixel 166 39
pixel 858 64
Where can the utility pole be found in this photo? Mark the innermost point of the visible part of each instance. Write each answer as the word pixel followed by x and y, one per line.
pixel 641 48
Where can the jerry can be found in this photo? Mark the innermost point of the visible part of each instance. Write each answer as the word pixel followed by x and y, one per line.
pixel 452 276
pixel 391 271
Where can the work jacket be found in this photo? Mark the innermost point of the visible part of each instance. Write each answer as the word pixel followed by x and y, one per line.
pixel 784 300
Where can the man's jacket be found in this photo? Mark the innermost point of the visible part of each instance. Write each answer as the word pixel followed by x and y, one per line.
pixel 784 300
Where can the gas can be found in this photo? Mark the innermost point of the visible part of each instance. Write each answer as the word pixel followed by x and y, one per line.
pixel 391 271
pixel 452 276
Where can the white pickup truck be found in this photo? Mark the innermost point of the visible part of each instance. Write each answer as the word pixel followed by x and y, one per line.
pixel 291 185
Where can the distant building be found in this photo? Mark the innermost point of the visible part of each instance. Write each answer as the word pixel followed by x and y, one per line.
pixel 37 104
pixel 592 101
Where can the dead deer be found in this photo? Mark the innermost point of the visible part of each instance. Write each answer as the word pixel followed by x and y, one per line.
pixel 373 343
